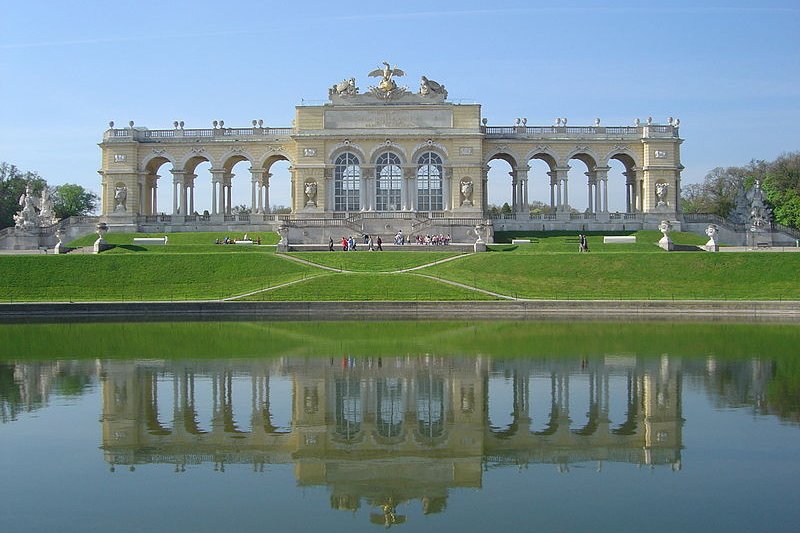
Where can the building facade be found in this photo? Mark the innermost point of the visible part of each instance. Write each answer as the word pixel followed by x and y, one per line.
pixel 384 159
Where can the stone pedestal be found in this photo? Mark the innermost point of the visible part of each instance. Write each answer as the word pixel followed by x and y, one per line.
pixel 100 244
pixel 480 246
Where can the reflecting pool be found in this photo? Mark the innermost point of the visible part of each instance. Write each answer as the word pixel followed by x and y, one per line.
pixel 417 426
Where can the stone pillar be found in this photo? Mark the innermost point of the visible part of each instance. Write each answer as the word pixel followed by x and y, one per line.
pixel 552 189
pixel 190 178
pixel 155 196
pixel 265 181
pixel 521 189
pixel 175 196
pixel 601 175
pixel 591 186
pixel 447 200
pixel 256 179
pixel 217 199
pixel 513 191
pixel 362 190
pixel 228 207
pixel 562 184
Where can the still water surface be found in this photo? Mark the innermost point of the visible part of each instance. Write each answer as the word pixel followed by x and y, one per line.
pixel 414 426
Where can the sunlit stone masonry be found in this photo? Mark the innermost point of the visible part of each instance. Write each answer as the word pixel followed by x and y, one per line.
pixel 388 158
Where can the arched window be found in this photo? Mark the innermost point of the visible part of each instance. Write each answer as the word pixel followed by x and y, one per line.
pixel 346 183
pixel 389 177
pixel 429 182
pixel 390 407
pixel 430 406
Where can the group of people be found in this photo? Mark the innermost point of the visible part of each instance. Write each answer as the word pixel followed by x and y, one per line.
pixel 228 240
pixel 433 240
pixel 349 244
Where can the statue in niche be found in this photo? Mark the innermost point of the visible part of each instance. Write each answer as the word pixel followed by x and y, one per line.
pixel 662 189
pixel 466 192
pixel 120 198
pixel 430 87
pixel 311 194
pixel 344 88
pixel 27 219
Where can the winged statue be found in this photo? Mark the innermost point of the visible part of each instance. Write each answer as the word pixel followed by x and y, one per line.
pixel 387 84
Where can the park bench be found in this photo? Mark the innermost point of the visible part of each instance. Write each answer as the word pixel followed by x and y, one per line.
pixel 763 245
pixel 150 240
pixel 524 241
pixel 619 239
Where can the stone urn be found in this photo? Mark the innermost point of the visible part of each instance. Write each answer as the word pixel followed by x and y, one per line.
pixel 666 243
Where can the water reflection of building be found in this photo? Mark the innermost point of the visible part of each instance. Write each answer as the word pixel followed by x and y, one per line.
pixel 389 430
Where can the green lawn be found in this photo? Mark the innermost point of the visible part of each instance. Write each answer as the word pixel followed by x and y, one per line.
pixel 760 276
pixel 181 238
pixel 373 261
pixel 556 242
pixel 354 287
pixel 87 277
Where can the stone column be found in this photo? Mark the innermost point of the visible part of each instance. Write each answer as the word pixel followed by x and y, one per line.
pixel 256 179
pixel 601 175
pixel 364 183
pixel 447 189
pixel 563 192
pixel 190 178
pixel 228 207
pixel 265 183
pixel 175 196
pixel 217 195
pixel 591 185
pixel 552 175
pixel 155 196
pixel 514 191
pixel 521 189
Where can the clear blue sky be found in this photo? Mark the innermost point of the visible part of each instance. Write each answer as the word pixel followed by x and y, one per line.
pixel 729 70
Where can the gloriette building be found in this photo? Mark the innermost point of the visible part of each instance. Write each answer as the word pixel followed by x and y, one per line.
pixel 387 158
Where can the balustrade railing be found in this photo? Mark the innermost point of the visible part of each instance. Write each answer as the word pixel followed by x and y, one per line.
pixel 653 130
pixel 145 135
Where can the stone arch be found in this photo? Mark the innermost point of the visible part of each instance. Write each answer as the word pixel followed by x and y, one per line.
pixel 624 155
pixel 232 157
pixel 271 157
pixel 196 153
pixel 153 161
pixel 584 154
pixel 347 146
pixel 631 175
pixel 543 153
pixel 502 153
pixel 388 146
pixel 429 146
pixel 269 160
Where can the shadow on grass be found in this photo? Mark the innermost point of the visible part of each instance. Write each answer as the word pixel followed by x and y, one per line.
pixel 687 248
pixel 131 247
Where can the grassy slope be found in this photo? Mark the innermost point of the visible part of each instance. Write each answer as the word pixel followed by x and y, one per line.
pixel 140 276
pixel 373 261
pixel 182 238
pixel 366 286
pixel 630 275
pixel 555 242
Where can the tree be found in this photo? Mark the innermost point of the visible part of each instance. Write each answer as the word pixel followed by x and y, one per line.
pixel 781 185
pixel 240 210
pixel 73 200
pixel 717 193
pixel 506 209
pixel 12 185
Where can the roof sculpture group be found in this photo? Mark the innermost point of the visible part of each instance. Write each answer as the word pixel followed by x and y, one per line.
pixel 387 89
